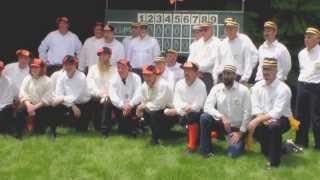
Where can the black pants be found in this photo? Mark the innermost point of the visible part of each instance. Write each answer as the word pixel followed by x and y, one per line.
pixel 53 68
pixel 40 119
pixel 192 117
pixel 159 123
pixel 270 139
pixel 208 80
pixel 102 115
pixel 127 124
pixel 62 115
pixel 308 112
pixel 6 119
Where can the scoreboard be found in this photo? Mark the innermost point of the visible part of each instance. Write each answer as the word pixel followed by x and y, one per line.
pixel 172 29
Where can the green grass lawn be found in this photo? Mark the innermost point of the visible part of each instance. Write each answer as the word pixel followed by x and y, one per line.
pixel 90 156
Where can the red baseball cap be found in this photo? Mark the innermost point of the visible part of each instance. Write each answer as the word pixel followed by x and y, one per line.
pixel 37 63
pixel 68 59
pixel 23 52
pixel 104 50
pixel 150 69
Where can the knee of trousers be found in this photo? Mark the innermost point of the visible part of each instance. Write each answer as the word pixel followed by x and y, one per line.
pixel 205 119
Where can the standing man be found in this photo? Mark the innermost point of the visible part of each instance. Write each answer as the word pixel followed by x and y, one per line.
pixel 16 72
pixel 206 53
pixel 308 97
pixel 271 110
pixel 155 97
pixel 127 40
pixel 227 111
pixel 273 48
pixel 111 42
pixel 189 97
pixel 165 73
pixel 71 98
pixel 88 55
pixel 124 96
pixel 173 65
pixel 143 49
pixel 59 43
pixel 197 35
pixel 244 52
pixel 7 95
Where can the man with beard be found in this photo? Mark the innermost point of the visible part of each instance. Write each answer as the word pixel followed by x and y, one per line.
pixel 227 111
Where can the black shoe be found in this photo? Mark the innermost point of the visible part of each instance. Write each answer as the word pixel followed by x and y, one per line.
pixel 207 155
pixel 53 134
pixel 189 151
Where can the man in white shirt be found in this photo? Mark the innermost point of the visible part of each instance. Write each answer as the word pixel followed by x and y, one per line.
pixel 206 53
pixel 173 65
pixel 244 52
pixel 273 48
pixel 127 40
pixel 17 71
pixel 88 55
pixel 197 35
pixel 271 108
pixel 165 73
pixel 142 49
pixel 189 97
pixel 308 96
pixel 227 111
pixel 71 98
pixel 7 95
pixel 124 96
pixel 59 43
pixel 116 47
pixel 98 80
pixel 155 97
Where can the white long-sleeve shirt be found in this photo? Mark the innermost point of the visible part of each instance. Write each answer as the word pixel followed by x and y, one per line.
pixel 178 72
pixel 194 95
pixel 8 91
pixel 278 51
pixel 117 51
pixel 99 81
pixel 120 93
pixel 273 99
pixel 158 97
pixel 245 55
pixel 205 53
pixel 126 42
pixel 56 46
pixel 169 77
pixel 88 54
pixel 309 61
pixel 16 74
pixel 143 51
pixel 73 90
pixel 36 90
pixel 233 103
pixel 54 78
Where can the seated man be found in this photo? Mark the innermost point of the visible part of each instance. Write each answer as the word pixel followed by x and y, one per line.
pixel 189 97
pixel 7 95
pixel 71 98
pixel 35 96
pixel 155 97
pixel 98 80
pixel 124 96
pixel 271 110
pixel 227 111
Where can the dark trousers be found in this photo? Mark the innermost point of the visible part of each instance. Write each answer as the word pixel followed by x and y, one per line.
pixel 192 117
pixel 40 119
pixel 270 139
pixel 127 124
pixel 102 115
pixel 308 112
pixel 208 124
pixel 159 123
pixel 63 115
pixel 6 119
pixel 53 68
pixel 208 80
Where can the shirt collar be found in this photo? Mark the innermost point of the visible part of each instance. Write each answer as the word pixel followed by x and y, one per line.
pixel 273 44
pixel 314 49
pixel 273 84
pixel 234 86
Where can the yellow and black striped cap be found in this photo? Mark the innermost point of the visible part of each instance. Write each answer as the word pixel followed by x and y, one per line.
pixel 270 24
pixel 313 30
pixel 171 50
pixel 230 68
pixel 159 59
pixel 230 21
pixel 270 62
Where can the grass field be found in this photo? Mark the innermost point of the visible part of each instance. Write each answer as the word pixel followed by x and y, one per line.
pixel 90 156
